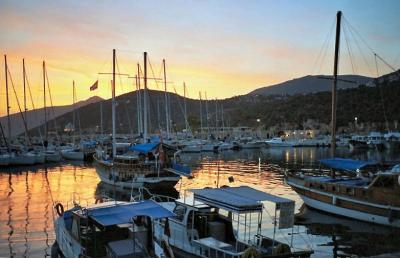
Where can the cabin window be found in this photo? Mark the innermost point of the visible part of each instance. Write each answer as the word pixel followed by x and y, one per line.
pixel 180 212
pixel 333 188
pixel 322 187
pixel 311 185
pixel 350 191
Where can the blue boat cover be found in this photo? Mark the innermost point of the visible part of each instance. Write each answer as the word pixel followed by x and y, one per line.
pixel 237 199
pixel 144 147
pixel 346 164
pixel 123 213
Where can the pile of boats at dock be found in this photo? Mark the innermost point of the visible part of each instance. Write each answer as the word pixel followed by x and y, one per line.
pixel 209 222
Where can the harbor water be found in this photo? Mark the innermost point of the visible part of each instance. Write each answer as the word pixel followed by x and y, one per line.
pixel 27 195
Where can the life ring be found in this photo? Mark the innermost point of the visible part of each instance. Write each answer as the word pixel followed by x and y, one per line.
pixel 60 209
pixel 251 252
pixel 99 200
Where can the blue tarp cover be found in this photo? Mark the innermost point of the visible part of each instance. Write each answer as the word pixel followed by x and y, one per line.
pixel 242 198
pixel 346 164
pixel 144 147
pixel 123 213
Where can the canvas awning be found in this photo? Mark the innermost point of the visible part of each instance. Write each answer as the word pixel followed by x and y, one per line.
pixel 346 164
pixel 145 147
pixel 237 199
pixel 123 213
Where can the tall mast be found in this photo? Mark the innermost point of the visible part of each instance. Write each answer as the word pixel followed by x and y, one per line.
pixel 139 102
pixel 222 117
pixel 44 103
pixel 101 118
pixel 24 75
pixel 201 115
pixel 216 115
pixel 7 99
pixel 114 148
pixel 166 101
pixel 73 111
pixel 145 97
pixel 334 85
pixel 207 118
pixel 184 106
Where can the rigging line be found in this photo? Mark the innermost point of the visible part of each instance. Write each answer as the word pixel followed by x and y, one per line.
pixel 33 106
pixel 125 104
pixel 152 72
pixel 325 52
pixel 348 48
pixel 381 94
pixel 52 106
pixel 19 107
pixel 323 45
pixel 360 50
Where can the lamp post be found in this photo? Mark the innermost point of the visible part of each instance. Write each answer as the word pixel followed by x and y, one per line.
pixel 355 123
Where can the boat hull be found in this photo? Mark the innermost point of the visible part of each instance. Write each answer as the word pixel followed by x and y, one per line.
pixel 139 180
pixel 72 155
pixel 344 206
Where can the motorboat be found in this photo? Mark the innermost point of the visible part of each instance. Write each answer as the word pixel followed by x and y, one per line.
pixel 281 142
pixel 227 222
pixel 109 229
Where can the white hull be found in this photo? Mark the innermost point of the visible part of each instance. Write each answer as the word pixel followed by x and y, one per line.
pixel 39 158
pixel 72 155
pixel 68 245
pixel 192 149
pixel 252 145
pixel 363 216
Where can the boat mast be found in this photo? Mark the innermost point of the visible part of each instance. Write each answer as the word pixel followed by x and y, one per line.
pixel 207 118
pixel 101 118
pixel 184 107
pixel 73 112
pixel 166 100
pixel 7 99
pixel 114 148
pixel 145 98
pixel 44 104
pixel 201 115
pixel 139 102
pixel 334 85
pixel 24 75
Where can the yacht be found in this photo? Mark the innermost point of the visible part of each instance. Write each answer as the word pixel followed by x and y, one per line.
pixel 358 142
pixel 281 142
pixel 392 140
pixel 109 229
pixel 226 222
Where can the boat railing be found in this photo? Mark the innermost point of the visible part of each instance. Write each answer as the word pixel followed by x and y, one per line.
pixel 143 191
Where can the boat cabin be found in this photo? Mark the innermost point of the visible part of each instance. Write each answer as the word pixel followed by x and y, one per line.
pixel 226 222
pixel 112 229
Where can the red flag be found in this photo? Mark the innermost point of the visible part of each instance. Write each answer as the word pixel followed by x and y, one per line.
pixel 94 86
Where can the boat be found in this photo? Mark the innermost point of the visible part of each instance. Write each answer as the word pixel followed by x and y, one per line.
pixel 109 229
pixel 375 140
pixel 392 140
pixel 18 158
pixel 281 142
pixel 4 159
pixel 143 165
pixel 217 222
pixel 372 198
pixel 368 196
pixel 149 164
pixel 250 143
pixel 358 142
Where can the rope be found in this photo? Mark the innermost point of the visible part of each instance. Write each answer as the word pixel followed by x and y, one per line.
pixel 33 106
pixel 324 48
pixel 348 49
pixel 28 139
pixel 52 107
pixel 381 94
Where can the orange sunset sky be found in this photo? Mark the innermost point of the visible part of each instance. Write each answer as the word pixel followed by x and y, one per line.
pixel 224 48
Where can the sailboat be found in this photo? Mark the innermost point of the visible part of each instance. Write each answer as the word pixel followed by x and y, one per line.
pixel 372 199
pixel 148 164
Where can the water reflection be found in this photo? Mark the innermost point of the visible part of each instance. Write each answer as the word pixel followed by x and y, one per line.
pixel 27 195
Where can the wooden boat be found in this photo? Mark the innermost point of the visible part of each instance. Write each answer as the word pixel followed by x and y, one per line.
pixel 371 199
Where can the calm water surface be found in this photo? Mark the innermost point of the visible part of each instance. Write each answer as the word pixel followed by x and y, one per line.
pixel 27 195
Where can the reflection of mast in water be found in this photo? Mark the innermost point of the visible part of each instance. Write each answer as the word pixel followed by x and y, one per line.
pixel 46 213
pixel 28 199
pixel 9 222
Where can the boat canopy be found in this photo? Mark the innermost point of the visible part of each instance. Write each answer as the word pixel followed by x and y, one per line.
pixel 347 164
pixel 236 199
pixel 144 147
pixel 123 213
